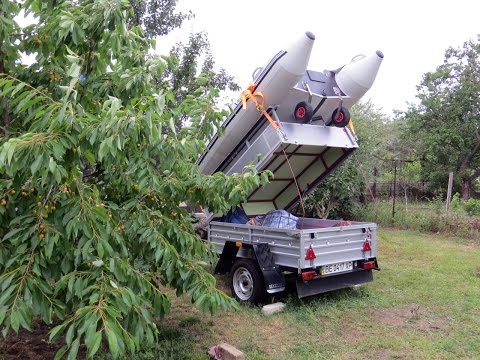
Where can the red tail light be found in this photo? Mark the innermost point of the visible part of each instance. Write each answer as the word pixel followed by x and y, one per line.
pixel 310 254
pixel 367 265
pixel 367 246
pixel 308 275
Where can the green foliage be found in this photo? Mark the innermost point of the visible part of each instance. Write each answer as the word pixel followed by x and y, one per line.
pixel 181 74
pixel 171 344
pixel 428 216
pixel 8 34
pixel 470 206
pixel 339 194
pixel 456 202
pixel 156 17
pixel 186 60
pixel 444 128
pixel 92 172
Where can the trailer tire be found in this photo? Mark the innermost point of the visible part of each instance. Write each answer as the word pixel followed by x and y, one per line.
pixel 246 282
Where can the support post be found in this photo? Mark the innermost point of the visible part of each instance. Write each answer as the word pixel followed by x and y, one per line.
pixel 449 190
pixel 394 188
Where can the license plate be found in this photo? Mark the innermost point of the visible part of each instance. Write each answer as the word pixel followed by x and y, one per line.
pixel 336 268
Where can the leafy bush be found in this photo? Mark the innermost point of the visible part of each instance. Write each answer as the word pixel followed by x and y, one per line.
pixel 472 206
pixel 424 216
pixel 337 196
pixel 456 202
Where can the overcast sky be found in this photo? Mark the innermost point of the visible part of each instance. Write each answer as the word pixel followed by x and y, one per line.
pixel 413 35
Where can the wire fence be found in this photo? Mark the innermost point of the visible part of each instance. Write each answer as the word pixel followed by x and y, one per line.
pixel 415 191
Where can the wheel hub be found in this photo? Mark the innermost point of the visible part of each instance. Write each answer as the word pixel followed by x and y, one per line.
pixel 243 283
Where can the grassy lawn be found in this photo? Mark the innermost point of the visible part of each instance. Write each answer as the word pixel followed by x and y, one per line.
pixel 423 304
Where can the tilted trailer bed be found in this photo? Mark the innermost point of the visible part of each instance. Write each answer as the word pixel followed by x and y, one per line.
pixel 320 254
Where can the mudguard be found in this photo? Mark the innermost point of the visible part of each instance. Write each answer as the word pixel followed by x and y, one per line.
pixel 329 283
pixel 272 276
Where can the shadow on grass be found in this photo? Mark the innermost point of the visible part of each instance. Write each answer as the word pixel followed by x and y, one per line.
pixel 290 296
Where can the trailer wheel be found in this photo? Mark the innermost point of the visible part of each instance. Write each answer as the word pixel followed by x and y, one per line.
pixel 340 118
pixel 247 283
pixel 303 112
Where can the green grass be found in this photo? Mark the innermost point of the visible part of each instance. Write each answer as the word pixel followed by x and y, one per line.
pixel 423 304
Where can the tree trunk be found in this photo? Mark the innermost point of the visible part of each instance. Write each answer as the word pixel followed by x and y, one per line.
pixel 466 187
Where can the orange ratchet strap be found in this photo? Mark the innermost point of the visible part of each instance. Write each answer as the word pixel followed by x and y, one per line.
pixel 259 99
pixel 350 125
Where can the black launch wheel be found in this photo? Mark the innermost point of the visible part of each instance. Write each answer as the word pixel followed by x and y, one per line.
pixel 340 118
pixel 303 112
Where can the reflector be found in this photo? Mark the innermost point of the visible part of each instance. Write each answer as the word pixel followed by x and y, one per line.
pixel 366 246
pixel 310 254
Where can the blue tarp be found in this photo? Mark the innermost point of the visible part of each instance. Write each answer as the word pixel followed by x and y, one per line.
pixel 280 219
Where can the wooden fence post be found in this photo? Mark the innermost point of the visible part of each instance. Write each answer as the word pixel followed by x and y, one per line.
pixel 449 190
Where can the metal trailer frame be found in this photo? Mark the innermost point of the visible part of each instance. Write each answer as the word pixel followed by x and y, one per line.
pixel 280 251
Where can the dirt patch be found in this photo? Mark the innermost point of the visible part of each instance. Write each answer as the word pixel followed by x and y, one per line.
pixel 250 332
pixel 411 316
pixel 381 354
pixel 28 345
pixel 351 334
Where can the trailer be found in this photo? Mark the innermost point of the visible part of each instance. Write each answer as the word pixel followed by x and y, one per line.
pixel 300 136
pixel 322 255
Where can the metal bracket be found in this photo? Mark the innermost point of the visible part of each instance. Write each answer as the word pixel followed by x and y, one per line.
pixel 277 119
pixel 310 94
pixel 337 92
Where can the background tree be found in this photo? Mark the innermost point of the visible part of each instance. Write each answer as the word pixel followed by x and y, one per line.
pixel 92 172
pixel 186 62
pixel 445 127
pixel 156 17
pixel 187 59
